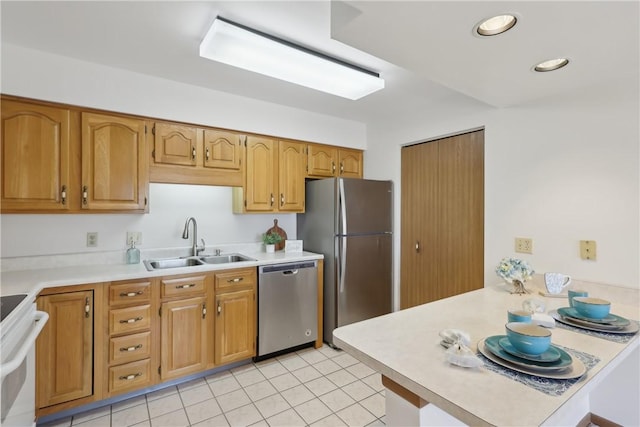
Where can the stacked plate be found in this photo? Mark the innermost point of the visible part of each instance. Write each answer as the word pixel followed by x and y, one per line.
pixel 611 323
pixel 553 363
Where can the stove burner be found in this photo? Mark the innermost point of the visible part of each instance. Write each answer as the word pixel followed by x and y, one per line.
pixel 8 303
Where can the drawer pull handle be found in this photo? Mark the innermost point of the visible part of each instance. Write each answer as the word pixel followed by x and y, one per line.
pixel 136 319
pixel 236 280
pixel 134 348
pixel 190 285
pixel 131 377
pixel 131 294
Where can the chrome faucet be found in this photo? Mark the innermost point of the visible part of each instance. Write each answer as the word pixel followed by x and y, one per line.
pixel 195 249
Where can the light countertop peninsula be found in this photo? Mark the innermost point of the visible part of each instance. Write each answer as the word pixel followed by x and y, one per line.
pixel 404 347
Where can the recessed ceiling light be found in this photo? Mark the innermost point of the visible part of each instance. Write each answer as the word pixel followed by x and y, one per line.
pixel 496 25
pixel 551 64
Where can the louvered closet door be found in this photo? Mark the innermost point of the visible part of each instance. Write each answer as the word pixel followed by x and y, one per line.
pixel 442 237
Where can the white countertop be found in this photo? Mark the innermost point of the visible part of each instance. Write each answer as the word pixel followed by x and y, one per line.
pixel 404 346
pixel 32 281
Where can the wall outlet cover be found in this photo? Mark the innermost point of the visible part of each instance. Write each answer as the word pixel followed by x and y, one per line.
pixel 293 245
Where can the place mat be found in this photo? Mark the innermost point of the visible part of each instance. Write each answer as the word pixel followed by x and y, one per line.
pixel 619 338
pixel 548 386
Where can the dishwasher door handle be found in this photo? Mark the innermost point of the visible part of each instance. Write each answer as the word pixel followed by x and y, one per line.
pixel 290 272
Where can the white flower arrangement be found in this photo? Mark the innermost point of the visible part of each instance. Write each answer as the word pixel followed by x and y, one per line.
pixel 511 269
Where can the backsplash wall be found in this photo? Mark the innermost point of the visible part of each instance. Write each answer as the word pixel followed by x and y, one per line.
pixel 169 207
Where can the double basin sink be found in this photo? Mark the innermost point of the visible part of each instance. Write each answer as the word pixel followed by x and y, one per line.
pixel 192 261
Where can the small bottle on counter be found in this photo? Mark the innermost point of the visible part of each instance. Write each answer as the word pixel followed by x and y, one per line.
pixel 133 254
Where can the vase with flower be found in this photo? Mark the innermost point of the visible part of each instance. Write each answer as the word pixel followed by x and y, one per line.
pixel 515 272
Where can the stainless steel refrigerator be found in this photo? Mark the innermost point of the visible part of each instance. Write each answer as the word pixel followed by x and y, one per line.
pixel 350 222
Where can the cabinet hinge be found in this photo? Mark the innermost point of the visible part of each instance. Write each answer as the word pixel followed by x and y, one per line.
pixel 145 129
pixel 159 370
pixel 160 312
pixel 153 154
pixel 153 130
pixel 245 203
pixel 145 201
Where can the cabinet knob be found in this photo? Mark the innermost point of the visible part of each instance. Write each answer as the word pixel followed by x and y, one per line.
pixel 272 199
pixel 236 280
pixel 85 194
pixel 281 199
pixel 207 153
pixel 63 195
pixel 193 153
pixel 130 294
pixel 418 246
pixel 190 285
pixel 132 320
pixel 133 348
pixel 130 377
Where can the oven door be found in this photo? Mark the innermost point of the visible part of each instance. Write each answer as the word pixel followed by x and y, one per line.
pixel 17 370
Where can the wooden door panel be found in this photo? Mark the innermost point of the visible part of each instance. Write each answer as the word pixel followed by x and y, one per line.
pixel 461 213
pixel 235 326
pixel 261 174
pixel 114 164
pixel 223 150
pixel 64 349
pixel 175 144
pixel 35 156
pixel 291 176
pixel 183 337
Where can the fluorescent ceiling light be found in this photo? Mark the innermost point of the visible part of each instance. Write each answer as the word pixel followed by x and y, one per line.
pixel 550 65
pixel 243 47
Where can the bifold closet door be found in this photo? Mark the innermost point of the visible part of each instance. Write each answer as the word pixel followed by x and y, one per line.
pixel 442 230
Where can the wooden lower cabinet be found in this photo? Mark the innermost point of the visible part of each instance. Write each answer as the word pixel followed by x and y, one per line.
pixel 64 349
pixel 235 326
pixel 183 348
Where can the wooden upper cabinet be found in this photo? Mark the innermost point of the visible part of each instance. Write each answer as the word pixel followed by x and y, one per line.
pixel 35 157
pixel 291 167
pixel 350 163
pixel 185 154
pixel 175 144
pixel 223 150
pixel 328 161
pixel 322 160
pixel 114 163
pixel 261 174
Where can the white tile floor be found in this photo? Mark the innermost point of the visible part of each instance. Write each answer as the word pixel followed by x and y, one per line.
pixel 322 387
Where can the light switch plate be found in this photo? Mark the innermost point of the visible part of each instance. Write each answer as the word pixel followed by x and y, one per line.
pixel 293 245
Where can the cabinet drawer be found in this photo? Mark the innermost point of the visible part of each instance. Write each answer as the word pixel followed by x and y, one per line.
pixel 131 319
pixel 129 348
pixel 235 278
pixel 183 286
pixel 130 292
pixel 129 376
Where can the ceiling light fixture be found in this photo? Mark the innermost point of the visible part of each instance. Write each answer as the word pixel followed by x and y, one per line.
pixel 496 25
pixel 244 47
pixel 551 64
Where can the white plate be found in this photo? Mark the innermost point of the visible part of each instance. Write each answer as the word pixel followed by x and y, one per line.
pixel 632 328
pixel 576 370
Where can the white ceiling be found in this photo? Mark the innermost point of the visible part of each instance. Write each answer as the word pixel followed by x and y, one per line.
pixel 425 50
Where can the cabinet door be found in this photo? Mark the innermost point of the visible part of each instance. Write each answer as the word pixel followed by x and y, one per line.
pixel 64 349
pixel 235 326
pixel 114 165
pixel 261 175
pixel 321 160
pixel 35 157
pixel 183 348
pixel 175 144
pixel 350 162
pixel 223 150
pixel 291 160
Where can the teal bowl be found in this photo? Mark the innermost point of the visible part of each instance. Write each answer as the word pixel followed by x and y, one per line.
pixel 594 308
pixel 528 338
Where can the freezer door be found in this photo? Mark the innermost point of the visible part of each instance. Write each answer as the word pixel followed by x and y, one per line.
pixel 364 277
pixel 364 206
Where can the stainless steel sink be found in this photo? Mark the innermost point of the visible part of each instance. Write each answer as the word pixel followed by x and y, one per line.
pixel 161 264
pixel 223 259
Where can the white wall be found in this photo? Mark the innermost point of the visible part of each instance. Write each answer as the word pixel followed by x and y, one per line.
pixel 558 171
pixel 44 76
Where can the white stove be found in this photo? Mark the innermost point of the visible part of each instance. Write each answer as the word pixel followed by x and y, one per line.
pixel 20 325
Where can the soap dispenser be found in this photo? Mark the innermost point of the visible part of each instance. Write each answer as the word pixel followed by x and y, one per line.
pixel 133 253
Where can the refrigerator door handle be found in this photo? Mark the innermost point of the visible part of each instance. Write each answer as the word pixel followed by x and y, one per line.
pixel 343 264
pixel 343 209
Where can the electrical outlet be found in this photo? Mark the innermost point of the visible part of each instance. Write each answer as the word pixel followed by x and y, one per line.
pixel 524 245
pixel 588 249
pixel 136 236
pixel 92 239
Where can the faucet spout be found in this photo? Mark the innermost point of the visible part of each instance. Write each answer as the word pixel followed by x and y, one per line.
pixel 185 235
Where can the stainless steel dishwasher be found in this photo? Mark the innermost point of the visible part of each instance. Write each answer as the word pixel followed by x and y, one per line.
pixel 287 306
